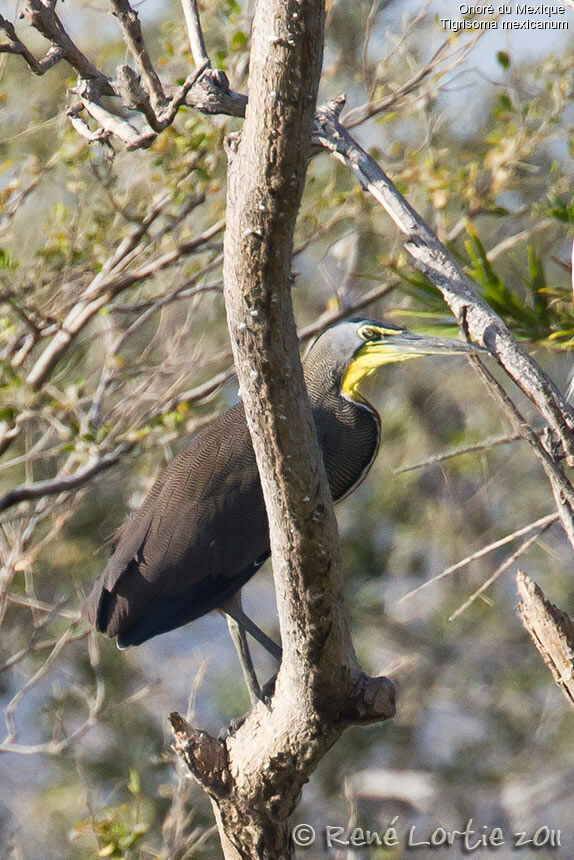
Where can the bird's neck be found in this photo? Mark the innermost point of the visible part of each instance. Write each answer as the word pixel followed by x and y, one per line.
pixel 348 429
pixel 325 386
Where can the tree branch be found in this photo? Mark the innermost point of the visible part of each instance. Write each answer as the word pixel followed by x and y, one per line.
pixel 195 33
pixel 551 630
pixel 133 36
pixel 15 46
pixel 63 483
pixel 434 260
pixel 320 688
pixel 42 17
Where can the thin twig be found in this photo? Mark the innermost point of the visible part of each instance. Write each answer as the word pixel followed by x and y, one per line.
pixel 518 238
pixel 105 286
pixel 35 646
pixel 94 706
pixel 457 452
pixel 561 487
pixel 524 547
pixel 129 22
pixel 70 614
pixel 543 522
pixel 60 484
pixel 14 702
pixel 358 115
pixel 195 34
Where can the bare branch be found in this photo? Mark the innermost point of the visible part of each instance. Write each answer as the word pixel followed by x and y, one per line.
pixel 518 238
pixel 48 608
pixel 195 34
pixel 42 17
pixel 107 284
pixel 212 96
pixel 63 483
pixel 94 703
pixel 15 46
pixel 524 547
pixel 17 698
pixel 551 630
pixel 99 135
pixel 35 646
pixel 133 36
pixel 543 522
pixel 441 267
pixel 111 123
pixel 458 452
pixel 358 115
pixel 561 487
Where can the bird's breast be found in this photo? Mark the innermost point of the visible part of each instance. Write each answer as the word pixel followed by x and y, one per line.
pixel 349 436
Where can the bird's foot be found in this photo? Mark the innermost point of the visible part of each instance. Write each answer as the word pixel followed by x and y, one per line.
pixel 268 690
pixel 266 694
pixel 231 729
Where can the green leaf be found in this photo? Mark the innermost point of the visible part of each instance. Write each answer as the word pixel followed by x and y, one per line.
pixel 560 209
pixel 6 260
pixel 537 286
pixel 535 271
pixel 238 40
pixel 134 784
pixel 503 104
pixel 231 7
pixel 509 304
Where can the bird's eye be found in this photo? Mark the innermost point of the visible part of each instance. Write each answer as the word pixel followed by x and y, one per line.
pixel 367 332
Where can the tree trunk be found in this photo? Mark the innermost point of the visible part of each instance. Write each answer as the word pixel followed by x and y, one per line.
pixel 255 777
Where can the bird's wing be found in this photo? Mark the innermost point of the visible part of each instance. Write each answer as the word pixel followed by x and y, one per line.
pixel 203 520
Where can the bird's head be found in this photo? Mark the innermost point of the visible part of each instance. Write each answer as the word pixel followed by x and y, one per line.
pixel 357 347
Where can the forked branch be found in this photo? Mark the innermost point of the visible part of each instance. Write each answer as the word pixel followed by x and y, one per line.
pixel 320 689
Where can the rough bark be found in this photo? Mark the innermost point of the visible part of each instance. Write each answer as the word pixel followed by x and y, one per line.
pixel 551 630
pixel 320 689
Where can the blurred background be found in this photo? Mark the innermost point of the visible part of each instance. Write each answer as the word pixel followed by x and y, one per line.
pixel 476 128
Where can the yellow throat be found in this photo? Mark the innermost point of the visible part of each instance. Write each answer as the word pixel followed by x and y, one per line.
pixel 370 357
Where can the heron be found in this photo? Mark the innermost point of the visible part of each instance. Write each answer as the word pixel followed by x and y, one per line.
pixel 202 531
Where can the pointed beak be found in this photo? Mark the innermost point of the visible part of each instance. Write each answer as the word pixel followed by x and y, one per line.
pixel 408 343
pixel 396 346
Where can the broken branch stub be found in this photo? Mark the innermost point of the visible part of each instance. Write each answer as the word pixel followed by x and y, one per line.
pixel 552 631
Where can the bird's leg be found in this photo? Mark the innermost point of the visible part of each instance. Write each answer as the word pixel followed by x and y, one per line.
pixel 239 624
pixel 233 607
pixel 240 641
